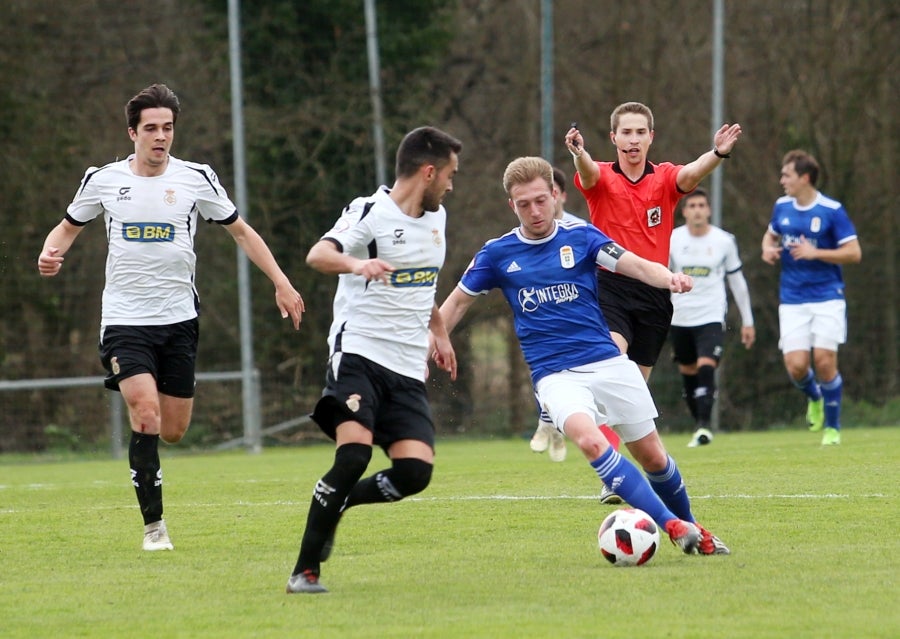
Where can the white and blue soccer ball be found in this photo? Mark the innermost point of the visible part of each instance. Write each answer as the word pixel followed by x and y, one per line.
pixel 628 537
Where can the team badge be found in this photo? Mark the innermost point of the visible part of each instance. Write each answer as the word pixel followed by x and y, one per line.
pixel 815 224
pixel 114 364
pixel 567 257
pixel 353 402
pixel 169 197
pixel 436 237
pixel 654 216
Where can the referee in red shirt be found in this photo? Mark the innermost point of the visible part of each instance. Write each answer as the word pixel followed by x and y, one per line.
pixel 633 201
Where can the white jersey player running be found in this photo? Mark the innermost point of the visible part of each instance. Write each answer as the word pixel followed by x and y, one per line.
pixel 387 250
pixel 546 272
pixel 710 256
pixel 151 203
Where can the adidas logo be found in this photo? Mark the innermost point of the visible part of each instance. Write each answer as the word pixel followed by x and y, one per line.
pixel 512 268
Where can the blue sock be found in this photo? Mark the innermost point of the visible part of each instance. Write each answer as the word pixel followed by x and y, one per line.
pixel 623 477
pixel 809 386
pixel 832 392
pixel 670 487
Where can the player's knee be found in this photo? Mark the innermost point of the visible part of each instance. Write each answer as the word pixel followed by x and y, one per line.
pixel 410 476
pixel 145 417
pixel 353 458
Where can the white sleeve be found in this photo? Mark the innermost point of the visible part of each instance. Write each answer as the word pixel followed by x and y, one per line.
pixel 86 204
pixel 741 293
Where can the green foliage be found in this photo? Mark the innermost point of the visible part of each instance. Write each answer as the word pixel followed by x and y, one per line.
pixel 501 545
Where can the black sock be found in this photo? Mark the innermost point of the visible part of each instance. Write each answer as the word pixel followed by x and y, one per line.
pixel 146 475
pixel 689 383
pixel 705 395
pixel 405 477
pixel 350 462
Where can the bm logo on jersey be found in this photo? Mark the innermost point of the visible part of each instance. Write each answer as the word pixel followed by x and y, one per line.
pixel 148 232
pixel 407 277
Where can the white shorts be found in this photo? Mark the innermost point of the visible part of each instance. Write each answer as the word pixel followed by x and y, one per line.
pixel 612 392
pixel 813 325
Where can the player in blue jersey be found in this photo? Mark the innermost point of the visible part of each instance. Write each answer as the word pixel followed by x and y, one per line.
pixel 546 272
pixel 545 435
pixel 812 236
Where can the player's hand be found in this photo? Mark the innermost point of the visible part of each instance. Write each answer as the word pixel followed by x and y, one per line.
pixel 771 254
pixel 726 137
pixel 574 141
pixel 442 353
pixel 748 336
pixel 681 283
pixel 290 303
pixel 49 262
pixel 802 249
pixel 374 269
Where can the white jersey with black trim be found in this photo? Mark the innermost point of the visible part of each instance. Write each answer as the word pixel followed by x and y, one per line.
pixel 388 323
pixel 708 259
pixel 150 225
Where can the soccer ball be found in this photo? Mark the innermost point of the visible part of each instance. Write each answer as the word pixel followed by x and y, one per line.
pixel 628 537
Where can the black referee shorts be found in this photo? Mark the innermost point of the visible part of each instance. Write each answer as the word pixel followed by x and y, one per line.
pixel 637 311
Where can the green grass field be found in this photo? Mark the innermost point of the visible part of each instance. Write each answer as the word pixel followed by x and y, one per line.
pixel 502 544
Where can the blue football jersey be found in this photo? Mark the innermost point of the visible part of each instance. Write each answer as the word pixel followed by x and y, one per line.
pixel 825 224
pixel 551 287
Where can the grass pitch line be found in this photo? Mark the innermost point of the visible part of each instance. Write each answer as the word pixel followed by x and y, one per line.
pixel 448 498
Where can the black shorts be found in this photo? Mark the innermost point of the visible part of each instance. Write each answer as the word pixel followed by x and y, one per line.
pixel 638 312
pixel 168 352
pixel 689 343
pixel 391 405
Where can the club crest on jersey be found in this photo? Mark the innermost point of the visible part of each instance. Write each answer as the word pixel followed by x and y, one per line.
pixel 567 257
pixel 815 224
pixel 169 197
pixel 148 232
pixel 436 237
pixel 414 277
pixel 654 216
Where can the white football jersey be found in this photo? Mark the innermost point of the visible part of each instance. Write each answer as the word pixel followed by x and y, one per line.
pixel 150 225
pixel 388 323
pixel 708 259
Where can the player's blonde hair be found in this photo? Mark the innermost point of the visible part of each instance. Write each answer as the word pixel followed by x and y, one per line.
pixel 524 170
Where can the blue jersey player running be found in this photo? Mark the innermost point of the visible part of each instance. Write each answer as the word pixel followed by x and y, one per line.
pixel 546 272
pixel 812 236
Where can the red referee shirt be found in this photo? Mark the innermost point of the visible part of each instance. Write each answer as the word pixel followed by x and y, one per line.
pixel 638 215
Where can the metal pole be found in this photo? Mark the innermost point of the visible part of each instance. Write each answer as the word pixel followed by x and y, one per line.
pixel 116 415
pixel 250 403
pixel 375 91
pixel 547 80
pixel 718 93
